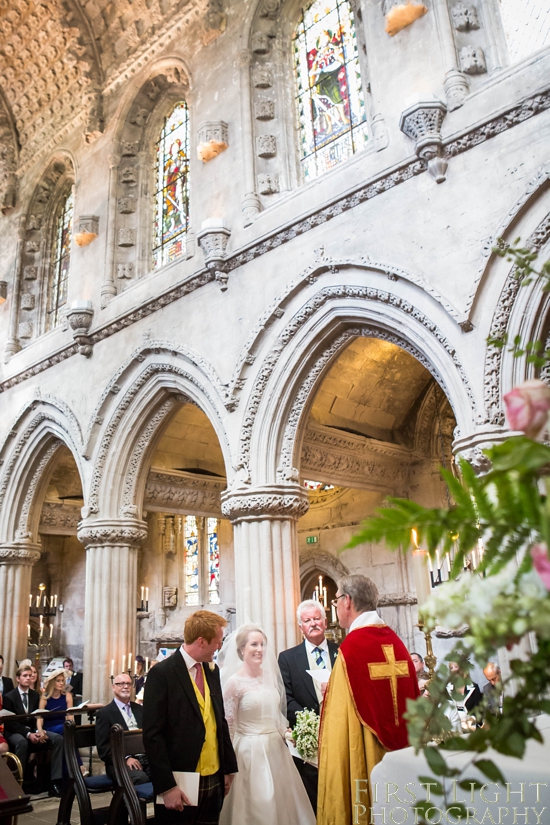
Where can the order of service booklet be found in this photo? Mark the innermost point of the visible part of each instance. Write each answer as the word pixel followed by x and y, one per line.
pixel 188 782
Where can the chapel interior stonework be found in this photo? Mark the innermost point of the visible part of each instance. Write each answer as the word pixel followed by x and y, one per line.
pixel 247 284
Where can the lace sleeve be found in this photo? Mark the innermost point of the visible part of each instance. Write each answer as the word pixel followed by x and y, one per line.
pixel 231 698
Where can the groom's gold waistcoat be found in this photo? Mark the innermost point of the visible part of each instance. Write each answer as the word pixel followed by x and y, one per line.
pixel 209 761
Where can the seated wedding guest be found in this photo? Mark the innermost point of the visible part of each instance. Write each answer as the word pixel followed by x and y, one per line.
pixel 35 681
pixel 493 689
pixel 466 697
pixel 6 684
pixel 74 680
pixel 140 674
pixel 418 662
pixel 23 735
pixel 301 691
pixel 128 714
pixel 4 748
pixel 451 711
pixel 56 697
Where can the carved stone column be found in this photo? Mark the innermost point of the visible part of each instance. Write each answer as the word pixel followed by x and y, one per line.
pixel 266 557
pixel 110 603
pixel 251 205
pixel 108 288
pixel 455 83
pixel 16 561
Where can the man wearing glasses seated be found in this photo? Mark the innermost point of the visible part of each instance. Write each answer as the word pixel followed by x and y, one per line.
pixel 367 693
pixel 128 714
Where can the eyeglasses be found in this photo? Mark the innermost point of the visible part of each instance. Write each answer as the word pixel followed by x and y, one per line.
pixel 334 602
pixel 122 684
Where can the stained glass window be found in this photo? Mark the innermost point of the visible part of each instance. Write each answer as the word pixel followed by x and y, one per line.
pixel 213 561
pixel 329 94
pixel 317 486
pixel 61 259
pixel 172 187
pixel 191 542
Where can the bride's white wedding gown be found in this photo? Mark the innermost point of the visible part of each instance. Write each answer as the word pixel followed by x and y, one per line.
pixel 267 789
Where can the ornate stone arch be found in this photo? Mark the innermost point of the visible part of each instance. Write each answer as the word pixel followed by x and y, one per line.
pixel 9 157
pixel 34 260
pixel 42 428
pixel 308 343
pixel 128 247
pixel 317 559
pixel 153 389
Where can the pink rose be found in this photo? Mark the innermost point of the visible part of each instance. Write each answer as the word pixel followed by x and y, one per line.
pixel 527 407
pixel 541 563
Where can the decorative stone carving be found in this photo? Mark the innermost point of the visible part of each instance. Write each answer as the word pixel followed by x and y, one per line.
pixel 128 175
pixel 213 139
pixel 87 229
pixel 215 21
pixel 268 184
pixel 262 78
pixel 213 239
pixel 31 247
pixel 125 271
pixel 251 207
pixel 264 109
pixel 126 206
pixel 456 87
pixel 19 553
pixel 270 9
pixel 422 123
pixel 472 60
pixel 268 502
pixel 464 17
pixel 80 319
pixel 169 596
pixel 25 329
pixel 30 272
pixel 168 492
pixel 129 148
pixel 126 237
pixel 129 532
pixel 260 43
pixel 27 300
pixel 266 146
pixel 59 518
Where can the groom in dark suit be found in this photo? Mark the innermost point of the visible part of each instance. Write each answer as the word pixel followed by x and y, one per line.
pixel 301 691
pixel 184 725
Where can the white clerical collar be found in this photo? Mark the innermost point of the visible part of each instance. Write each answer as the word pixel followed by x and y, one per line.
pixel 369 617
pixel 311 647
pixel 189 661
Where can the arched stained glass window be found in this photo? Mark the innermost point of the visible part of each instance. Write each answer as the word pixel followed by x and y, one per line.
pixel 329 94
pixel 61 260
pixel 213 562
pixel 191 540
pixel 172 187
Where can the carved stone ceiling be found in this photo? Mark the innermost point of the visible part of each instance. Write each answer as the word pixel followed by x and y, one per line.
pixel 189 442
pixel 65 480
pixel 56 55
pixel 371 390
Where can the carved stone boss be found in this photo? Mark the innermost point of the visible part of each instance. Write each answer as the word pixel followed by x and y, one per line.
pixel 422 123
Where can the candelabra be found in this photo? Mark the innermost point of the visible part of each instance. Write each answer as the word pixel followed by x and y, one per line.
pixel 128 669
pixel 320 594
pixel 41 606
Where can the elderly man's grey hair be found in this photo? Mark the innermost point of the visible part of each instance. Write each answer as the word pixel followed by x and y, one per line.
pixel 309 603
pixel 362 591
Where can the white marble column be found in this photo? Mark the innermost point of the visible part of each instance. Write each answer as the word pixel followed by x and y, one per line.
pixel 111 599
pixel 16 561
pixel 267 577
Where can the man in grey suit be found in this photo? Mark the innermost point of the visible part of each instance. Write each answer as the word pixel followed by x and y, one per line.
pixel 301 691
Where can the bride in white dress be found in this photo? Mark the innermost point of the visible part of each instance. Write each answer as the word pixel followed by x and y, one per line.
pixel 267 789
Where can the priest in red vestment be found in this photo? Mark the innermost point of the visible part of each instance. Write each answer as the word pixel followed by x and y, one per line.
pixel 364 704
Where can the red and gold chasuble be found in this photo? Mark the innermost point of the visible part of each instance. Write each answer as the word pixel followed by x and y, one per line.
pixel 381 678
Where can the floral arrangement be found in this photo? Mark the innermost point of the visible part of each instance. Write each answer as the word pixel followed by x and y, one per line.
pixel 507 511
pixel 306 734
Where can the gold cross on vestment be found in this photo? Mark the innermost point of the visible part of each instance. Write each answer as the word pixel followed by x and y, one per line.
pixel 390 669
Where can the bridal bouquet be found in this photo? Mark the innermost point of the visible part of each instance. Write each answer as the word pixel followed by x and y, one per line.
pixel 306 734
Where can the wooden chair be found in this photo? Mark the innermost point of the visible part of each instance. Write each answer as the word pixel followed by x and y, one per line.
pixel 126 743
pixel 74 738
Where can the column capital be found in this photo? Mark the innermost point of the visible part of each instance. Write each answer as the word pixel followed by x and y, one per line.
pixel 19 553
pixel 125 531
pixel 471 446
pixel 266 502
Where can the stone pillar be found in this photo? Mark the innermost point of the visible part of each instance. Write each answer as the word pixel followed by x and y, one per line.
pixel 267 577
pixel 111 599
pixel 16 561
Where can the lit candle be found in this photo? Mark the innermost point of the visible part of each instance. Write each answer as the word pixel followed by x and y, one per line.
pixel 142 592
pixel 30 599
pixel 51 631
pixel 421 576
pixel 320 584
pixel 112 667
pixel 325 603
pixel 55 600
pixel 123 668
pixel 333 609
pixel 28 631
pixel 146 664
pixel 129 662
pixel 147 595
pixel 38 601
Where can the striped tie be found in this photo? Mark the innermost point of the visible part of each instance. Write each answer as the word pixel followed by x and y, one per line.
pixel 318 653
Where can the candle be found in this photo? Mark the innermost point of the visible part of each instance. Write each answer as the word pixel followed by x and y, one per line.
pixel 421 576
pixel 41 631
pixel 38 601
pixel 142 592
pixel 333 609
pixel 51 631
pixel 135 667
pixel 147 595
pixel 123 668
pixel 28 631
pixel 129 662
pixel 30 599
pixel 112 667
pixel 320 584
pixel 325 603
pixel 146 664
pixel 55 600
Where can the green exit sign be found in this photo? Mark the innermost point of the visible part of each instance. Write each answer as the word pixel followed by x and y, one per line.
pixel 311 539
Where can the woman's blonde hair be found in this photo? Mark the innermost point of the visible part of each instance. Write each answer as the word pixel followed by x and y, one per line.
pixel 242 637
pixel 49 683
